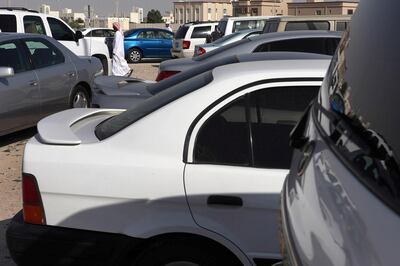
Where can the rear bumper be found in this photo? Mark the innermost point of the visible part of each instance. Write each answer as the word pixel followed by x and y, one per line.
pixel 187 53
pixel 45 245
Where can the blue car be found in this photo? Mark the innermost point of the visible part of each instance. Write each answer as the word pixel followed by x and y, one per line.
pixel 147 43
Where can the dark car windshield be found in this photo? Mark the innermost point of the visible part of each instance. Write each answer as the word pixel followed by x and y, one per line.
pixel 361 116
pixel 181 33
pixel 185 75
pixel 220 50
pixel 123 120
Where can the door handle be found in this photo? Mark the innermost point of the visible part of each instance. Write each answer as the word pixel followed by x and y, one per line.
pixel 33 83
pixel 225 200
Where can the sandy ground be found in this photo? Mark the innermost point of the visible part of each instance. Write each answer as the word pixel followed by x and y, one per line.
pixel 11 151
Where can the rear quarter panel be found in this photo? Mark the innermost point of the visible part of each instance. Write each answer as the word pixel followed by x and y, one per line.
pixel 332 218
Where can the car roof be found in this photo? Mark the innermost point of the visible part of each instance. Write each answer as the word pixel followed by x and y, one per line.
pixel 292 68
pixel 247 18
pixel 4 36
pixel 268 56
pixel 297 34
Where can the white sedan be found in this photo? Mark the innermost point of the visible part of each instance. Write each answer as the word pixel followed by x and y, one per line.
pixel 190 176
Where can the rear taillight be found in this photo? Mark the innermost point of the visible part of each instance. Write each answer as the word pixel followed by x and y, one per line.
pixel 186 44
pixel 32 201
pixel 201 51
pixel 165 74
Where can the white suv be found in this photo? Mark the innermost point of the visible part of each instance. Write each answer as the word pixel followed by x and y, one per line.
pixel 23 20
pixel 188 36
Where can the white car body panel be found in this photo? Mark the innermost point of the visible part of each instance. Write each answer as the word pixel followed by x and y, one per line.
pixel 134 182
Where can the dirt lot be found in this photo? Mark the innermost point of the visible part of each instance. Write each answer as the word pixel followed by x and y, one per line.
pixel 11 150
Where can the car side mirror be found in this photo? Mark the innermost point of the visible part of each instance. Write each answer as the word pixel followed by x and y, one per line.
pixel 6 72
pixel 78 35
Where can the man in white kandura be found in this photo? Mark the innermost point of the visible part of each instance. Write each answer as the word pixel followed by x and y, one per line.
pixel 119 65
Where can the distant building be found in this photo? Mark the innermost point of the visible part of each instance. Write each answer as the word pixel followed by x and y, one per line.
pixel 54 13
pixel 67 15
pixel 107 22
pixel 169 17
pixel 137 15
pixel 45 9
pixel 201 10
pixel 315 7
pixel 259 8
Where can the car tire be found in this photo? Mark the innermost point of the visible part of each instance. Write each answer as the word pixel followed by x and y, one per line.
pixel 134 56
pixel 79 98
pixel 183 253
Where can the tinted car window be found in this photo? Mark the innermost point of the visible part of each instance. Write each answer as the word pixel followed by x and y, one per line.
pixel 60 31
pixel 201 32
pixel 248 25
pixel 43 53
pixel 308 45
pixel 10 56
pixel 98 33
pixel 224 138
pixel 271 26
pixel 129 32
pixel 123 120
pixel 220 50
pixel 181 32
pixel 342 25
pixel 307 25
pixel 165 35
pixel 274 113
pixel 147 35
pixel 222 26
pixel 34 24
pixel 8 23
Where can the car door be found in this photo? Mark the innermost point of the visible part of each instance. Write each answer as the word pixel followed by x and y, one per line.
pixel 238 161
pixel 19 93
pixel 56 74
pixel 62 33
pixel 166 43
pixel 150 44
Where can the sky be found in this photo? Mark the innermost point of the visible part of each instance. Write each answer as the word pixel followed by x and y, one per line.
pixel 102 7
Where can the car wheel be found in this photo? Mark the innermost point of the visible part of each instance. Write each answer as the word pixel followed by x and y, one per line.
pixel 134 55
pixel 79 98
pixel 182 253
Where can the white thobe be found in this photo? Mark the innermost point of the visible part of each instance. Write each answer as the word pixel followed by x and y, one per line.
pixel 119 65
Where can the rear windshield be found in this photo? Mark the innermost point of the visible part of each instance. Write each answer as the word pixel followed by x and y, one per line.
pixel 8 23
pixel 226 38
pixel 181 33
pixel 220 50
pixel 123 120
pixel 185 75
pixel 248 25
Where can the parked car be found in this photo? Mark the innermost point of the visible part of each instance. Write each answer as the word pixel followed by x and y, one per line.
pixel 229 25
pixel 124 93
pixel 147 43
pixel 340 203
pixel 321 42
pixel 38 77
pixel 174 180
pixel 188 36
pixel 22 20
pixel 295 23
pixel 237 36
pixel 104 35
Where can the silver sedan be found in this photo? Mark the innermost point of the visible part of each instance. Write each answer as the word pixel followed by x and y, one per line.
pixel 38 77
pixel 234 37
pixel 320 42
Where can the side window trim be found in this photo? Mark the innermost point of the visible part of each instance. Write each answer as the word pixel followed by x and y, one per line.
pixel 190 140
